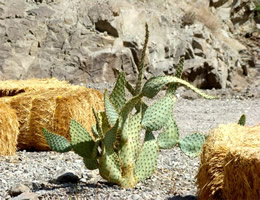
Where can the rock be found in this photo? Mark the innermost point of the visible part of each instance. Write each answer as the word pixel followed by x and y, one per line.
pixel 41 12
pixel 12 9
pixel 83 45
pixel 66 177
pixel 204 73
pixel 238 80
pixel 18 189
pixel 27 196
pixel 239 13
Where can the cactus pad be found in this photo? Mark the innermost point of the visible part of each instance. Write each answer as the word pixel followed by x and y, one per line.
pixel 81 141
pixel 130 139
pixel 169 138
pixel 147 160
pixel 117 96
pixel 111 111
pixel 130 88
pixel 90 163
pixel 242 120
pixel 99 118
pixel 191 145
pixel 109 167
pixel 128 107
pixel 141 64
pixel 94 131
pixel 173 86
pixel 157 115
pixel 110 137
pixel 155 84
pixel 57 142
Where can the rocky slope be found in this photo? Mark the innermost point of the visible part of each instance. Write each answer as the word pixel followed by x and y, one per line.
pixel 81 41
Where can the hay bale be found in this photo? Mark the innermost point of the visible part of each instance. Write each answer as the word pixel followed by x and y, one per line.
pixel 14 87
pixel 230 164
pixel 53 108
pixel 8 130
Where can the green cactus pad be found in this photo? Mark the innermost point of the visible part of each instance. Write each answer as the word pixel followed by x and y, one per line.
pixel 130 88
pixel 147 159
pixel 128 107
pixel 110 137
pixel 109 167
pixel 104 121
pixel 242 120
pixel 98 116
pixel 192 144
pixel 180 67
pixel 94 131
pixel 57 142
pixel 144 107
pixel 173 86
pixel 78 133
pixel 155 84
pixel 169 138
pixel 117 96
pixel 91 164
pixel 111 112
pixel 157 115
pixel 141 65
pixel 81 141
pixel 130 139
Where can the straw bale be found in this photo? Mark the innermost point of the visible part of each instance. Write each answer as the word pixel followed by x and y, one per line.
pixel 53 109
pixel 230 164
pixel 15 87
pixel 8 130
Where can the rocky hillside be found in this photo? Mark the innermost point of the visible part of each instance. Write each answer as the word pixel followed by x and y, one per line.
pixel 82 41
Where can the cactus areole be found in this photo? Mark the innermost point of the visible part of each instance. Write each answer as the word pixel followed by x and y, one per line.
pixel 114 146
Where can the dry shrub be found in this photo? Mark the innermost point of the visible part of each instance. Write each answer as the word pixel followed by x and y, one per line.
pixel 200 11
pixel 230 164
pixel 206 17
pixel 8 130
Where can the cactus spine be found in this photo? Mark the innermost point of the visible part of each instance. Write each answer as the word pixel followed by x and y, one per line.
pixel 115 146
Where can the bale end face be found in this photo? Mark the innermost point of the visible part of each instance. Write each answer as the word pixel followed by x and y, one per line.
pixel 230 164
pixel 53 109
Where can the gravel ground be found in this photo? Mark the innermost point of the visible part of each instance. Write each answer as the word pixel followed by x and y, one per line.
pixel 174 178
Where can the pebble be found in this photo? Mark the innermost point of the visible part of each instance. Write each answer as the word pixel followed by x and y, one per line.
pixel 26 196
pixel 18 189
pixel 67 177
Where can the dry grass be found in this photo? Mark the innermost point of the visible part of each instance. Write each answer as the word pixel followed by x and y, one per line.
pixel 13 87
pixel 49 104
pixel 199 10
pixel 8 130
pixel 230 164
pixel 206 17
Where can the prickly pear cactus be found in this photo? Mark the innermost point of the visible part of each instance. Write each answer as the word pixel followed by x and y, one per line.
pixel 115 146
pixel 242 120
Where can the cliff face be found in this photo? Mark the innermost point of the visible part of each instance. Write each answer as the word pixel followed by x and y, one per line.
pixel 82 41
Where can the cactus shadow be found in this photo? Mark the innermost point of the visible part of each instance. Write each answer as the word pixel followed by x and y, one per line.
pixel 188 197
pixel 72 187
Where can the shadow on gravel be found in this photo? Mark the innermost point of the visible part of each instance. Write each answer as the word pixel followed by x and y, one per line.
pixel 188 197
pixel 72 187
